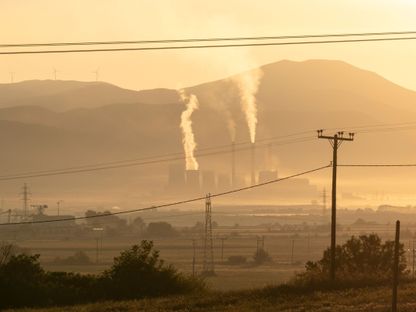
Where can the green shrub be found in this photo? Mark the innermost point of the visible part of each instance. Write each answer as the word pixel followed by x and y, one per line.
pixel 363 258
pixel 21 278
pixel 138 272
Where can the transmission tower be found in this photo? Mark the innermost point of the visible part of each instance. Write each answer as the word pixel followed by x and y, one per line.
pixel 208 264
pixel 25 199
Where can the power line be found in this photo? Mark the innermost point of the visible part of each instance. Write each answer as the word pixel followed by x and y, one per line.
pixel 183 47
pixel 378 165
pixel 169 157
pixel 133 164
pixel 173 203
pixel 212 39
pixel 153 157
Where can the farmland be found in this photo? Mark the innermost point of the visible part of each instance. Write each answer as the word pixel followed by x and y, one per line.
pixel 289 252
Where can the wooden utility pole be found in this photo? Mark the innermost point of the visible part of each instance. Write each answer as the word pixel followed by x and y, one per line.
pixel 293 247
pixel 193 256
pixel 413 262
pixel 335 141
pixel 222 247
pixel 396 268
pixel 208 263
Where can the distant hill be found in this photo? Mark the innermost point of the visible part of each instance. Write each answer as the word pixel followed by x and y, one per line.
pixel 65 95
pixel 50 124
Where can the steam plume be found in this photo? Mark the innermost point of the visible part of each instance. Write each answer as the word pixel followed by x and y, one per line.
pixel 188 138
pixel 248 84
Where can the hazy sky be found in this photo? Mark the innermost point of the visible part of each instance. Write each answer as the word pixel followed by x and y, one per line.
pixel 25 21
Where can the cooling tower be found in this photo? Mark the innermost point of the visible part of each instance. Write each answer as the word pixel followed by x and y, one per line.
pixel 176 177
pixel 208 181
pixel 192 180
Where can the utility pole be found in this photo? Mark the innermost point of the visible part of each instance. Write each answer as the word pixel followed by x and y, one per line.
pixel 396 268
pixel 58 204
pixel 208 264
pixel 222 247
pixel 336 140
pixel 233 184
pixel 293 248
pixel 98 241
pixel 25 199
pixel 193 256
pixel 413 262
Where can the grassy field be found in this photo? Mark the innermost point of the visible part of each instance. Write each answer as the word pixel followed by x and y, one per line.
pixel 375 299
pixel 179 252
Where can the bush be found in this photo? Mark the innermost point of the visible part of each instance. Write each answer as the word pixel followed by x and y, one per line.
pixel 161 229
pixel 21 281
pixel 363 258
pixel 138 272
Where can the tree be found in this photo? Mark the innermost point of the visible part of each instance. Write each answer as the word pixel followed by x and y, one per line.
pixel 138 225
pixel 161 229
pixel 359 257
pixel 21 274
pixel 138 272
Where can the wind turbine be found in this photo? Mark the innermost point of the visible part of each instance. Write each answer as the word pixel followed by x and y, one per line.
pixel 54 73
pixel 11 77
pixel 96 72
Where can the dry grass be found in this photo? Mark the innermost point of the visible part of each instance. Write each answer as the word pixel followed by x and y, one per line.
pixel 375 299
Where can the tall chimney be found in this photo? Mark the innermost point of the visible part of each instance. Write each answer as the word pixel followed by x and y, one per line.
pixel 253 175
pixel 233 164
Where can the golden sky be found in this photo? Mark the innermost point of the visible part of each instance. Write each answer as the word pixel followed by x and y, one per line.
pixel 25 21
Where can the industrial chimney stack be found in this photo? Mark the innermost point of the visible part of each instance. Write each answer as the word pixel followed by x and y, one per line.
pixel 253 175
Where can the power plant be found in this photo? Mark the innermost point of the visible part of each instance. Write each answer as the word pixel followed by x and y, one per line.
pixel 204 180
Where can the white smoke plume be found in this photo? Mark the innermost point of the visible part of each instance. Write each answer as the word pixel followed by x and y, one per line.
pixel 188 138
pixel 248 84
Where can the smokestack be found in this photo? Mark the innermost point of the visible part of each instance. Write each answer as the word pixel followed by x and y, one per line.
pixel 253 175
pixel 269 162
pixel 233 184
